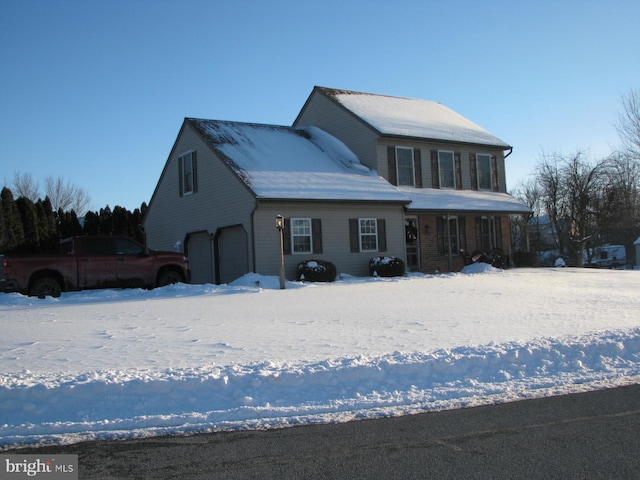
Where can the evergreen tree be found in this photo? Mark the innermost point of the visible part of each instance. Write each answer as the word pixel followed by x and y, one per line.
pixel 29 218
pixel 91 224
pixel 136 225
pixel 48 226
pixel 106 221
pixel 13 231
pixel 2 228
pixel 68 224
pixel 121 221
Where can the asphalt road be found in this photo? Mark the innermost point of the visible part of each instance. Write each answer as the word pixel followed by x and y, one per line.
pixel 593 435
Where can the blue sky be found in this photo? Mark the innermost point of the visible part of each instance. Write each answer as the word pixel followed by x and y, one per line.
pixel 96 91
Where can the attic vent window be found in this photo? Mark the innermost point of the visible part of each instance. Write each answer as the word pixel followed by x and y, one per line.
pixel 187 167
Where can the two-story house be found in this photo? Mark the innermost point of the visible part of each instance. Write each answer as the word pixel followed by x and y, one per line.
pixel 357 175
pixel 452 170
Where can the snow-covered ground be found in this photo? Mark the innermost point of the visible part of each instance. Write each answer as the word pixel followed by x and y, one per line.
pixel 187 358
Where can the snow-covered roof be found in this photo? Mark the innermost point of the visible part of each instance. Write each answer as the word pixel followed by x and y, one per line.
pixel 409 117
pixel 305 163
pixel 445 200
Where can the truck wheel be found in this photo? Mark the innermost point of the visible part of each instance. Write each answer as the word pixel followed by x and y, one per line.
pixel 45 287
pixel 169 277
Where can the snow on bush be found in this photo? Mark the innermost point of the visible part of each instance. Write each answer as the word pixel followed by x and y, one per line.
pixel 386 267
pixel 316 271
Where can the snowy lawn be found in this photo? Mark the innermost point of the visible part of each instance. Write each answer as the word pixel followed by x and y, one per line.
pixel 192 358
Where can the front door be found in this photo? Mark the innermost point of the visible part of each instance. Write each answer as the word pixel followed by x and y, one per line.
pixel 411 243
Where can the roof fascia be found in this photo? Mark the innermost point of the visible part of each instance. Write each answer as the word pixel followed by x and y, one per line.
pixel 387 136
pixel 316 201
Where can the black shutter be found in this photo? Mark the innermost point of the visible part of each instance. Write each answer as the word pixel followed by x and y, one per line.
pixel 354 235
pixel 435 175
pixel 393 171
pixel 316 234
pixel 180 181
pixel 494 172
pixel 458 168
pixel 417 166
pixel 382 235
pixel 286 237
pixel 474 171
pixel 194 169
pixel 462 232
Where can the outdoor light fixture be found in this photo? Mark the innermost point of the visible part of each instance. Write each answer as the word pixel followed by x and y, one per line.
pixel 280 227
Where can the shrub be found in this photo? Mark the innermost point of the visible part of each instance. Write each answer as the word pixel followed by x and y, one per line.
pixel 316 271
pixel 525 259
pixel 386 267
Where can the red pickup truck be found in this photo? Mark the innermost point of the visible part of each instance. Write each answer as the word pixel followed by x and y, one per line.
pixel 92 262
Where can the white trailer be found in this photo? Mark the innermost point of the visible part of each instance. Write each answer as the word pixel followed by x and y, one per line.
pixel 609 256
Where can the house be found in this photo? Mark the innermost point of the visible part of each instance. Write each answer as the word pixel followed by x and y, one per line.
pixel 224 183
pixel 452 170
pixel 358 175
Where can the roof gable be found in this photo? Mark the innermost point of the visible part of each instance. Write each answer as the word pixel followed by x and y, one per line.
pixel 408 117
pixel 279 162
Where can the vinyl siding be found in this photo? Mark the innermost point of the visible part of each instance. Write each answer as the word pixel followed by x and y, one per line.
pixel 425 154
pixel 335 235
pixel 324 113
pixel 221 199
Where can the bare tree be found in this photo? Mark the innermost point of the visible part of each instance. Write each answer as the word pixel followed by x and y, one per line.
pixel 529 193
pixel 66 196
pixel 628 124
pixel 572 192
pixel 25 186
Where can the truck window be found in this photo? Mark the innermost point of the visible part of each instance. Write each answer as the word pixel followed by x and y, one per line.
pixel 127 247
pixel 98 246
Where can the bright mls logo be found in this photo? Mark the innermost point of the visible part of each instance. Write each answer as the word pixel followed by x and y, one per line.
pixel 51 467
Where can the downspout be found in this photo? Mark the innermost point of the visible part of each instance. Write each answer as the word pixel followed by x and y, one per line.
pixel 253 236
pixel 510 152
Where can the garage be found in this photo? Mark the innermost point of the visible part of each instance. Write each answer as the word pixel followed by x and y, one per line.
pixel 232 249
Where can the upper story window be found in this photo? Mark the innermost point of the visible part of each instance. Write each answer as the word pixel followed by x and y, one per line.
pixel 446 169
pixel 405 166
pixel 483 165
pixel 187 168
pixel 301 235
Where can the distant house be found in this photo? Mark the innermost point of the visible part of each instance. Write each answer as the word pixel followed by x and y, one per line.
pixel 224 183
pixel 452 170
pixel 358 175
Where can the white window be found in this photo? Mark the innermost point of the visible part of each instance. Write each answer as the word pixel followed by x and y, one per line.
pixel 483 166
pixel 404 165
pixel 187 173
pixel 446 167
pixel 301 238
pixel 368 234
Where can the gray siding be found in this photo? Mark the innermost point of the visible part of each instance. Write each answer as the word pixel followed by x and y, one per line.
pixel 425 154
pixel 335 235
pixel 324 113
pixel 221 200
